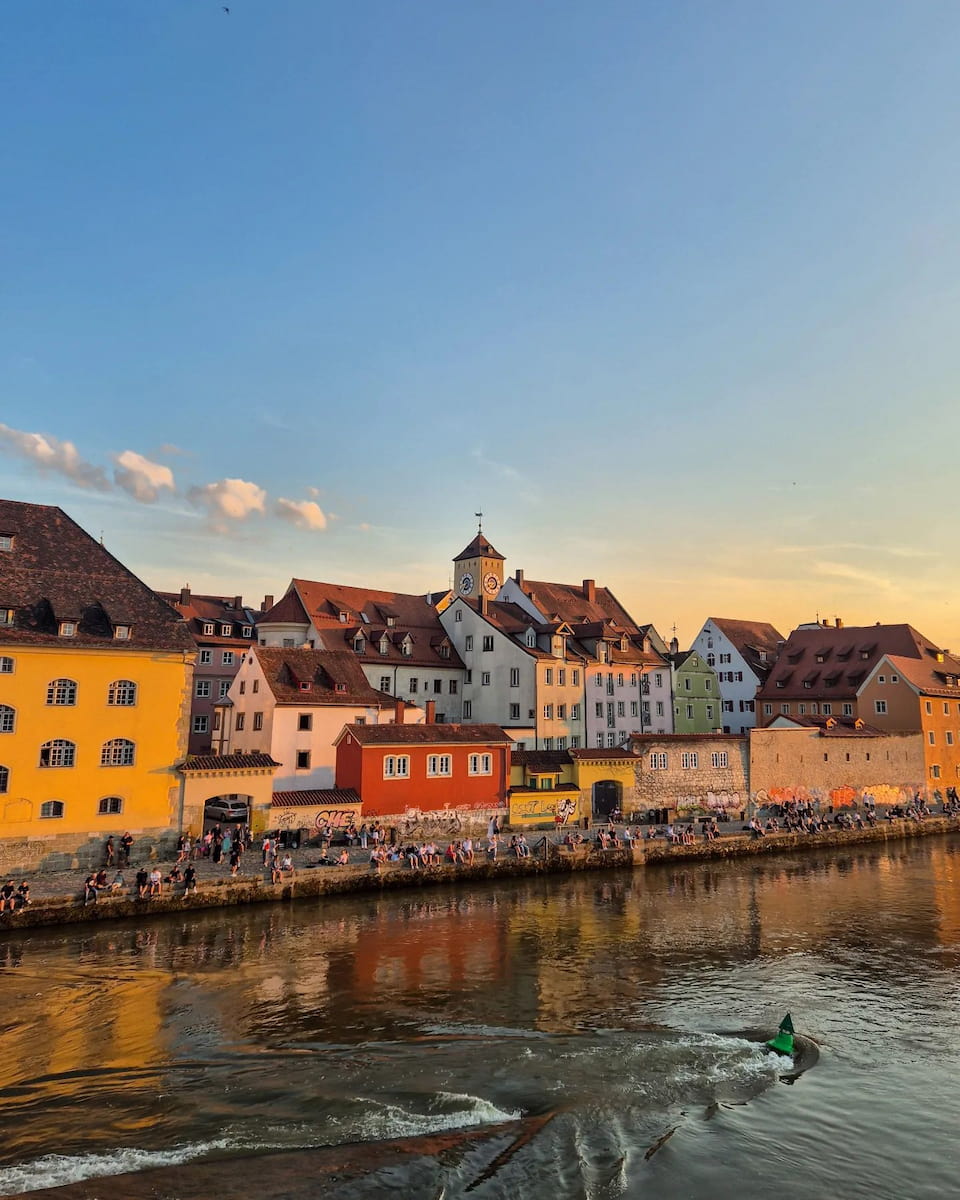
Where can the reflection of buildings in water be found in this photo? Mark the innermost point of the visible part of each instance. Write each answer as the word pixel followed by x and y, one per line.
pixel 945 873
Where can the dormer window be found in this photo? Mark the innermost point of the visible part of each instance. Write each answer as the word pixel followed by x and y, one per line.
pixel 209 629
pixel 343 617
pixel 68 629
pixel 384 646
pixel 247 631
pixel 601 652
pixel 358 644
pixel 864 654
pixel 340 687
pixel 6 616
pixel 305 685
pixel 531 639
pixel 762 655
pixel 391 621
pixel 444 651
pixel 226 630
pixel 121 633
pixel 406 649
pixel 6 542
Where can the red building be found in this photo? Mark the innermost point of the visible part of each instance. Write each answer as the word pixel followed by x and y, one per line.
pixel 428 767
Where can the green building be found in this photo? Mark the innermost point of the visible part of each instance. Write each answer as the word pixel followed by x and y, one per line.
pixel 696 694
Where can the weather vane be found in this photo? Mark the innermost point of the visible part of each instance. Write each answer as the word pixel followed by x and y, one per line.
pixel 479 516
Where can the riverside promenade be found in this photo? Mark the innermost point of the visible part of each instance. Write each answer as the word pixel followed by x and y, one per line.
pixel 57 897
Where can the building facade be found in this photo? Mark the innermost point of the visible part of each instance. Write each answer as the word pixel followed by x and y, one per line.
pixel 696 693
pixel 742 653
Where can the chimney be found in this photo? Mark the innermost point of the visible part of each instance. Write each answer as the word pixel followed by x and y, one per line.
pixel 431 714
pixel 590 590
pixel 267 604
pixel 519 578
pixel 185 594
pixel 839 623
pixel 238 602
pixel 483 604
pixel 399 709
pixel 674 646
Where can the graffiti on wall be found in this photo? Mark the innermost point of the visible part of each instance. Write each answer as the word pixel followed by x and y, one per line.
pixel 711 802
pixel 542 808
pixel 840 797
pixel 444 822
pixel 303 818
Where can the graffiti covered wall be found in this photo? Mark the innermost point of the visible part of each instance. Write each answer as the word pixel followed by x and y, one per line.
pixel 544 807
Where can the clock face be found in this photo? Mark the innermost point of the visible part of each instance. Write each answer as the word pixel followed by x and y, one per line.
pixel 466 583
pixel 491 584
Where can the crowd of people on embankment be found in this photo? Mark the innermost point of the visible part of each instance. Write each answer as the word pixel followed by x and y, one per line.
pixel 234 852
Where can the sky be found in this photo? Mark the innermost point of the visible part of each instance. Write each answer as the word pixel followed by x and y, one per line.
pixel 668 291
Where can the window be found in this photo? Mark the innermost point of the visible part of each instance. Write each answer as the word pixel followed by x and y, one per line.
pixel 468 642
pixel 452 687
pixel 209 629
pixel 481 764
pixel 689 712
pixel 561 712
pixel 118 752
pixel 634 708
pixel 206 658
pixel 484 678
pixel 303 760
pixel 514 676
pixel 621 708
pixel 574 712
pixel 658 679
pixel 202 688
pixel 223 688
pixel 6 665
pixel 226 630
pixel 686 684
pixel 58 753
pixel 727 706
pixel 575 743
pixel 548 675
pixel 848 709
pixel 396 766
pixel 562 677
pixel 801 709
pixel 929 708
pixel 708 685
pixel 598 709
pixel 488 642
pixel 384 683
pixel 709 712
pixel 718 758
pixel 439 764
pixel 201 724
pixel 600 740
pixel 949 737
pixel 575 678
pixel 413 685
pixel 711 660
pixel 658 760
pixel 228 658
pixel 444 651
pixel 62 691
pixel 468 710
pixel 438 689
pixel 122 693
pixel 931 737
pixel 51 808
pixel 258 721
pixel 6 616
pixel 880 706
pixel 4 780
pixel 7 718
pixel 660 710
pixel 514 712
pixel 611 740
pixel 458 615
pixel 935 771
pixel 121 633
pixel 68 629
pixel 827 709
pixel 304 720
pixel 548 712
pixel 247 631
pixel 110 806
pixel 598 680
pixel 6 541
pixel 946 709
pixel 240 722
pixel 894 678
pixel 688 760
pixel 881 679
pixel 467 677
pixel 216 719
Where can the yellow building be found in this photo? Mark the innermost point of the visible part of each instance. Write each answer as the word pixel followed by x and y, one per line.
pixel 95 675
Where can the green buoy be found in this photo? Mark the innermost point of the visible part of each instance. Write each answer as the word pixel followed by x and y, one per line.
pixel 783 1042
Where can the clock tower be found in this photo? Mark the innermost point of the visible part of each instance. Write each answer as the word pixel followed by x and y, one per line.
pixel 478 570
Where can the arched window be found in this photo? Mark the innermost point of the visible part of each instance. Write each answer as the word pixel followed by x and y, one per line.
pixel 8 718
pixel 4 779
pixel 118 752
pixel 122 692
pixel 110 806
pixel 6 665
pixel 58 753
pixel 51 808
pixel 62 691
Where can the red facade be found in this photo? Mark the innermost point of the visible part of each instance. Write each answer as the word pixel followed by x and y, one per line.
pixel 400 770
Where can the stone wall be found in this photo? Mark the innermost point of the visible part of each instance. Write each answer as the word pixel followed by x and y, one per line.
pixel 71 852
pixel 691 789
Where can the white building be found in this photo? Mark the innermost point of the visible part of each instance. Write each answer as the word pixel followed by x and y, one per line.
pixel 741 653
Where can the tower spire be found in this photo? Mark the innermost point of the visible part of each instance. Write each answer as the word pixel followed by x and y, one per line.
pixel 479 516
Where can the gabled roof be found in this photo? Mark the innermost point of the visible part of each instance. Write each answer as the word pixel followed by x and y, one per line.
pixel 540 760
pixel 928 675
pixel 856 652
pixel 426 735
pixel 374 613
pixel 478 548
pixel 751 638
pixel 334 677
pixel 257 761
pixel 198 611
pixel 569 602
pixel 57 572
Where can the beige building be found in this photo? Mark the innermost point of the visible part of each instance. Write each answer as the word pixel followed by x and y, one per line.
pixel 834 762
pixel 692 772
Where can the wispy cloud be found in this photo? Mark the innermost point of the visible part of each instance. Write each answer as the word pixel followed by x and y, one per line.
pixel 50 454
pixel 853 574
pixel 305 514
pixel 141 478
pixel 893 551
pixel 525 490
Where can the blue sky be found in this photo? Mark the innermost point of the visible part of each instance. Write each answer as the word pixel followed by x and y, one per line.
pixel 669 291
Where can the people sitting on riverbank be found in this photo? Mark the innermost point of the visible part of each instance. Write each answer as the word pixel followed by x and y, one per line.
pixel 143 882
pixel 342 860
pixel 90 894
pixel 189 879
pixel 155 887
pixel 8 895
pixel 467 849
pixel 118 883
pixel 286 866
pixel 23 894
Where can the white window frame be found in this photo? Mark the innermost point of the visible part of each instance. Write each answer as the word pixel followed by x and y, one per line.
pixel 480 764
pixel 659 760
pixel 439 765
pixel 719 759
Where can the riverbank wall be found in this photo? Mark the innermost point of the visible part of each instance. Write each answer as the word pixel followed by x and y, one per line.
pixel 548 858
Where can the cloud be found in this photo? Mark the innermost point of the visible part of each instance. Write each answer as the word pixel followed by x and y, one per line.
pixel 141 478
pixel 50 454
pixel 170 449
pixel 229 499
pixel 853 574
pixel 305 514
pixel 867 548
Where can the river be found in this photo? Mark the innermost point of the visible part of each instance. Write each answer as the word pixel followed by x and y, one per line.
pixel 551 1033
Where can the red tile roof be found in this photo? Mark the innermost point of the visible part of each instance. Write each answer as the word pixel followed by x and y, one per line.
pixel 540 760
pixel 227 762
pixel 751 638
pixel 198 611
pixel 334 677
pixel 569 602
pixel 324 797
pixel 478 548
pixel 928 675
pixel 56 572
pixel 389 735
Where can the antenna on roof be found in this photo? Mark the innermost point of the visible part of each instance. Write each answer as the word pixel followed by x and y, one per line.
pixel 479 516
pixel 101 537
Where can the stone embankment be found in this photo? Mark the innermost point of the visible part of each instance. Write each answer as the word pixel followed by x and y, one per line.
pixel 548 858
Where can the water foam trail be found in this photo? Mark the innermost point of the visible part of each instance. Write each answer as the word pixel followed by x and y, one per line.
pixel 56 1170
pixel 393 1121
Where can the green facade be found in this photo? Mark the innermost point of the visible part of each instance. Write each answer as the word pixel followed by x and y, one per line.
pixel 696 694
